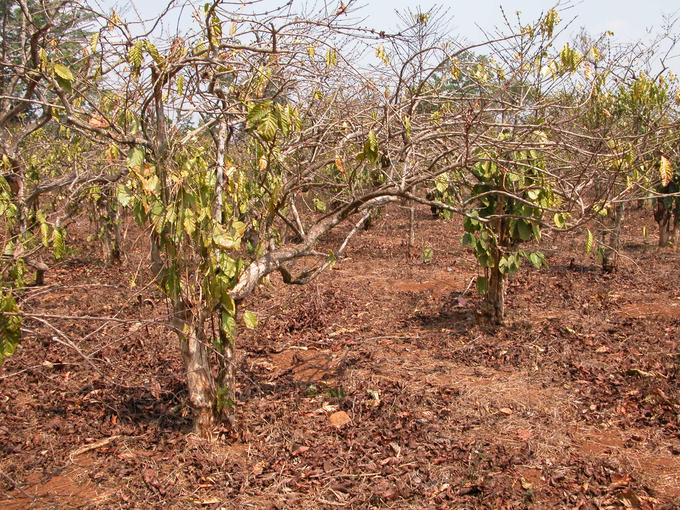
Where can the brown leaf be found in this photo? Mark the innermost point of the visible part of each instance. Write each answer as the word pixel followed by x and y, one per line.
pixel 258 468
pixel 506 411
pixel 149 477
pixel 524 434
pixel 299 450
pixel 339 419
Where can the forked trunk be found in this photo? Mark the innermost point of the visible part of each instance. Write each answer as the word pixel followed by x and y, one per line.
pixel 211 400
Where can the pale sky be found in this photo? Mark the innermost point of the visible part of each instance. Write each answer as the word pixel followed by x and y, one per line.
pixel 630 20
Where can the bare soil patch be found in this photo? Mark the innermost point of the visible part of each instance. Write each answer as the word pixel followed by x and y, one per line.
pixel 373 387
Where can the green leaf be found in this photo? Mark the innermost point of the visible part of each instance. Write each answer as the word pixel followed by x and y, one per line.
pixel 58 242
pixel 441 182
pixel 250 320
pixel 135 158
pixel 331 57
pixel 428 253
pixel 172 283
pixel 189 222
pixel 153 51
pixel 223 240
pixel 228 324
pixel 268 126
pixel 468 239
pixel 228 304
pixel 93 41
pixel 10 326
pixel 537 259
pixel 64 84
pixel 258 111
pixel 135 54
pixel 44 234
pixel 180 85
pixel 524 229
pixel 123 195
pixel 319 204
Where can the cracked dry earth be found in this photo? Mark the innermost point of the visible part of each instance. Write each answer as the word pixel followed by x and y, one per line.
pixel 373 387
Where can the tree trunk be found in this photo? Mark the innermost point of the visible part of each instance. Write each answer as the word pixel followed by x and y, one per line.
pixel 497 289
pixel 610 256
pixel 411 228
pixel 196 359
pixel 109 233
pixel 226 380
pixel 664 217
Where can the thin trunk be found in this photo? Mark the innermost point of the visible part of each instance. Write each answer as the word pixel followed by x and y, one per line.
pixel 411 227
pixel 610 257
pixel 226 379
pixel 496 292
pixel 108 228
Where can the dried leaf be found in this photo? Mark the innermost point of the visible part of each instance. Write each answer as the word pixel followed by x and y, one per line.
pixel 339 419
pixel 666 171
pixel 299 450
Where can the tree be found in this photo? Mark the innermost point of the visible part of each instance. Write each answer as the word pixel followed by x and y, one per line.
pixel 267 98
pixel 36 44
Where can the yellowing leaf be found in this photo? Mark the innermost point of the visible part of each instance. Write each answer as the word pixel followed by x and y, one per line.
pixel 93 41
pixel 589 241
pixel 331 57
pixel 666 171
pixel 63 72
pixel 250 319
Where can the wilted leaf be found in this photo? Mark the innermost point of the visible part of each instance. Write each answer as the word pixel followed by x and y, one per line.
pixel 589 241
pixel 338 163
pixel 524 434
pixel 299 450
pixel 339 419
pixel 666 171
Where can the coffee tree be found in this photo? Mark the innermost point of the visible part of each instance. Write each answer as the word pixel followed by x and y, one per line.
pixel 40 40
pixel 522 139
pixel 229 133
pixel 248 137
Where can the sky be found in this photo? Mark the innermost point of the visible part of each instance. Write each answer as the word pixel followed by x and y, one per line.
pixel 629 20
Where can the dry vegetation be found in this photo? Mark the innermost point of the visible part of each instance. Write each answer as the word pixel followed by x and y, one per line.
pixel 574 404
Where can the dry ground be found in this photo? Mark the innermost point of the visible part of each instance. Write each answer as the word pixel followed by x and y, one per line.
pixel 573 405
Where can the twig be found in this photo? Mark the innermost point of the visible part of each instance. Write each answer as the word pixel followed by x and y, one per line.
pixel 92 446
pixel 17 487
pixel 468 287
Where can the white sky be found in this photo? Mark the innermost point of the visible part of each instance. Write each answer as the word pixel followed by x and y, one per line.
pixel 630 20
